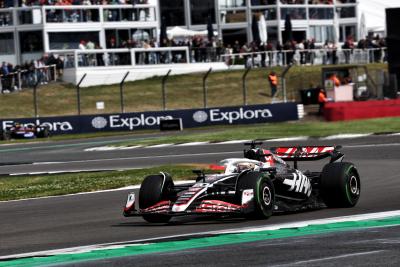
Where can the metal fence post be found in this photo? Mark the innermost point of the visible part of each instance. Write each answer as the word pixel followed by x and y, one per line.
pixel 164 81
pixel 244 83
pixel 121 92
pixel 19 80
pixel 35 102
pixel 205 87
pixel 284 80
pixel 284 89
pixel 78 94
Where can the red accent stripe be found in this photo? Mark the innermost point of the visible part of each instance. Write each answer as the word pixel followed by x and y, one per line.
pixel 165 204
pixel 306 152
pixel 215 167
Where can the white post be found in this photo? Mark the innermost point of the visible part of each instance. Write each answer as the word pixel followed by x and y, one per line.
pixel 337 25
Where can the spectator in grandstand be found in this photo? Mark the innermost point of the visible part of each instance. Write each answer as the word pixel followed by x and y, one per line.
pixel 348 47
pixel 290 49
pixel 245 50
pixel 330 56
pixel 41 71
pixel 236 47
pixel 269 48
pixel 99 56
pixel 219 48
pixel 311 53
pixel 5 79
pixel 301 48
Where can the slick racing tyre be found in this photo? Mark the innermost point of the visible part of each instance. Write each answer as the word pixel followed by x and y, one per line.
pixel 5 135
pixel 262 205
pixel 154 189
pixel 340 185
pixel 43 133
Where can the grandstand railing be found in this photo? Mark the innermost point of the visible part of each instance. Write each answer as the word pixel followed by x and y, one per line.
pixel 182 54
pixel 306 57
pixel 124 57
pixel 78 14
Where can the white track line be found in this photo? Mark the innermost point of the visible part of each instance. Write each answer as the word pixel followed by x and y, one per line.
pixel 372 145
pixel 111 148
pixel 158 146
pixel 80 249
pixel 232 142
pixel 345 136
pixel 193 144
pixel 354 218
pixel 298 138
pixel 305 262
pixel 287 139
pixel 141 157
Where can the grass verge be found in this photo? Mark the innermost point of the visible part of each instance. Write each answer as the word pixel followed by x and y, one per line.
pixel 239 132
pixel 20 187
pixel 278 130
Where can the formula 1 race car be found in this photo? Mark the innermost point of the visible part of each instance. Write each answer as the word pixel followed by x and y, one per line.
pixel 255 186
pixel 20 131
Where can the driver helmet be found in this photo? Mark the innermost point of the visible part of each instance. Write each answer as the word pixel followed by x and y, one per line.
pixel 242 166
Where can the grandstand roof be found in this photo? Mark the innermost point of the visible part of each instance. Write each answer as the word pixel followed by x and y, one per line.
pixel 374 11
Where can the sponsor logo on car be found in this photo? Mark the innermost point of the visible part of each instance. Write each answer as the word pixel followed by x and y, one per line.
pixel 300 183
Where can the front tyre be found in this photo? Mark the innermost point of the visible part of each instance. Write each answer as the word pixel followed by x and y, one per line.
pixel 155 188
pixel 340 185
pixel 263 194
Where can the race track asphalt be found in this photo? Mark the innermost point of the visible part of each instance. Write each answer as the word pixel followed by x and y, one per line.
pixel 71 155
pixel 69 221
pixel 371 247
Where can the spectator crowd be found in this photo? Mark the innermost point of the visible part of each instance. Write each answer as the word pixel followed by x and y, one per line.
pixel 39 71
pixel 25 3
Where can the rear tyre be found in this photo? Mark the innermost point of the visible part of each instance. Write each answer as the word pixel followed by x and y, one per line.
pixel 44 133
pixel 155 188
pixel 5 135
pixel 264 194
pixel 340 185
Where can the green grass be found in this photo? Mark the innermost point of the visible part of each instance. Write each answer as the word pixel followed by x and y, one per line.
pixel 245 132
pixel 20 187
pixel 183 91
pixel 279 130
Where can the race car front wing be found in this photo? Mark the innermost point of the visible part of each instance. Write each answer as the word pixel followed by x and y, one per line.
pixel 205 207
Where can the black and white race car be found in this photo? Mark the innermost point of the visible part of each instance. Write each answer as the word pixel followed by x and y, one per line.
pixel 21 131
pixel 255 186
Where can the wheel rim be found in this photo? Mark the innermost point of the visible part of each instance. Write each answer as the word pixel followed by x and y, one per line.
pixel 353 183
pixel 266 195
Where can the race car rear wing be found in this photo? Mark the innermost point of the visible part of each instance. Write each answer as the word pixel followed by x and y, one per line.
pixel 308 153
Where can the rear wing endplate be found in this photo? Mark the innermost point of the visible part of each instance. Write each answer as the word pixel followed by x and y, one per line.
pixel 308 153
